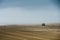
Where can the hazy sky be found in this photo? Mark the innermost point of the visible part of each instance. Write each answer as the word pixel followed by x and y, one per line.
pixel 28 12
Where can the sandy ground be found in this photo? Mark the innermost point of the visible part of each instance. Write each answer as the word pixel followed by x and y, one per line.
pixel 29 34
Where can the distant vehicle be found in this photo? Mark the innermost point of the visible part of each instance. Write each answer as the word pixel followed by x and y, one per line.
pixel 43 24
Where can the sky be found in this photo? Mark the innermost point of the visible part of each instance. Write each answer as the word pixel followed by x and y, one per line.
pixel 28 12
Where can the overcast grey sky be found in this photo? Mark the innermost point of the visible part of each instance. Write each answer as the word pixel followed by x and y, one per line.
pixel 28 12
